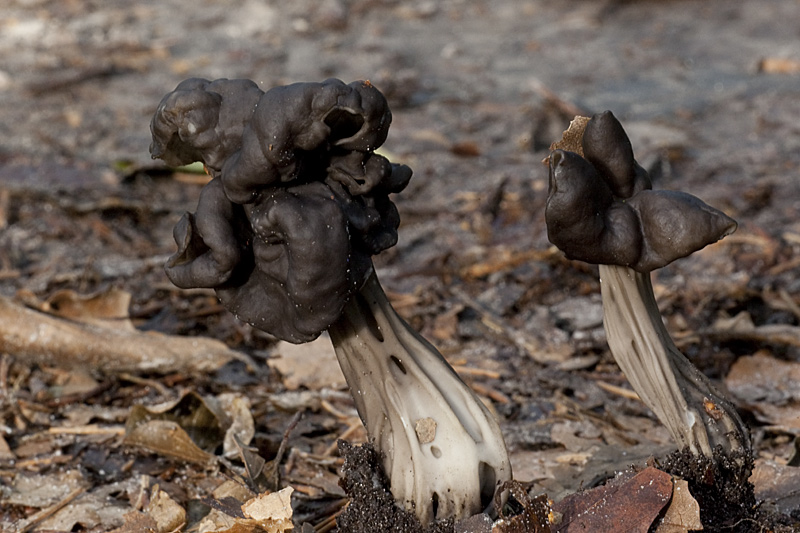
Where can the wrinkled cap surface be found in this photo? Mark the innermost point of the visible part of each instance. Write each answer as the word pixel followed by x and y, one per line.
pixel 202 120
pixel 296 130
pixel 285 234
pixel 600 208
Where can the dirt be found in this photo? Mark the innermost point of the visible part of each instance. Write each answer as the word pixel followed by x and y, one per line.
pixel 708 91
pixel 372 506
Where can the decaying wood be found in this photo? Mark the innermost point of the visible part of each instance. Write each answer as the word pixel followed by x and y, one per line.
pixel 39 338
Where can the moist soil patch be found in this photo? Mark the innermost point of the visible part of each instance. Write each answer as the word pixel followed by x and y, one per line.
pixel 722 488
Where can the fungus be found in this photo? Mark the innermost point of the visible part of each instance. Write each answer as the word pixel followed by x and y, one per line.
pixel 284 233
pixel 601 209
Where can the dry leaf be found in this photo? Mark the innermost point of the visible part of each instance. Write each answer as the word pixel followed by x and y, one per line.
pixel 777 484
pixel 166 438
pixel 168 515
pixel 265 513
pixel 761 377
pixel 242 426
pixel 136 522
pixel 312 365
pixel 628 504
pixel 535 515
pixel 39 491
pixel 683 512
pixel 188 429
pixel 106 309
pixel 5 451
pixel 276 506
pixel 741 327
pixel 770 386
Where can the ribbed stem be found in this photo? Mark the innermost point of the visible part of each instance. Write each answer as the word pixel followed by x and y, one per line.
pixel 682 397
pixel 443 450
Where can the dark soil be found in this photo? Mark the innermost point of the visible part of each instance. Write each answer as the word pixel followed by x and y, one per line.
pixel 372 508
pixel 722 488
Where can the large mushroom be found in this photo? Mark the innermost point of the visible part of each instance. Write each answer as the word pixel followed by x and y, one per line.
pixel 284 233
pixel 601 209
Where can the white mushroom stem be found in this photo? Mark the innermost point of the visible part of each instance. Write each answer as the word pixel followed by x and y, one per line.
pixel 442 449
pixel 683 399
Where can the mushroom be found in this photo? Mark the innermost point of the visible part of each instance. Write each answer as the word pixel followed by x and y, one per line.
pixel 284 233
pixel 601 209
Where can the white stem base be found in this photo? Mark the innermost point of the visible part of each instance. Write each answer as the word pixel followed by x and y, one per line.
pixel 442 449
pixel 683 399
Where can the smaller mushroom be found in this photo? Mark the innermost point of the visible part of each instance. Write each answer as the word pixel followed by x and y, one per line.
pixel 600 209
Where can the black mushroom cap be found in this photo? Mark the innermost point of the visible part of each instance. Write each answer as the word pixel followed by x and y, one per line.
pixel 202 120
pixel 295 128
pixel 286 244
pixel 600 208
pixel 304 268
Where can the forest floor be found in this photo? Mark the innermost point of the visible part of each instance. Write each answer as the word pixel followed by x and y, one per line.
pixel 709 92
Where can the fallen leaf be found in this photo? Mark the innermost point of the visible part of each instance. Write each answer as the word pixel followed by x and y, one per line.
pixel 265 513
pixel 777 484
pixel 187 429
pixel 312 365
pixel 535 515
pixel 92 509
pixel 5 451
pixel 276 506
pixel 770 387
pixel 629 503
pixel 168 515
pixel 683 513
pixel 741 327
pixel 761 377
pixel 242 426
pixel 166 438
pixel 137 522
pixel 106 309
pixel 39 491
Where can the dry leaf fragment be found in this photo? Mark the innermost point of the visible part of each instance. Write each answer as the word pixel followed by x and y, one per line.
pixel 105 309
pixel 770 386
pixel 276 506
pixel 535 515
pixel 168 515
pixel 166 438
pixel 683 513
pixel 629 504
pixel 312 365
pixel 762 377
pixel 136 522
pixel 777 485
pixel 265 513
pixel 188 429
pixel 242 427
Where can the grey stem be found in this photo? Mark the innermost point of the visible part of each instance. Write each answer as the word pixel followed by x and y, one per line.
pixel 682 397
pixel 442 449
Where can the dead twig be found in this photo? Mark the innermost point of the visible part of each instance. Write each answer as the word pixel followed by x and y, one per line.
pixel 354 426
pixel 47 512
pixel 619 391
